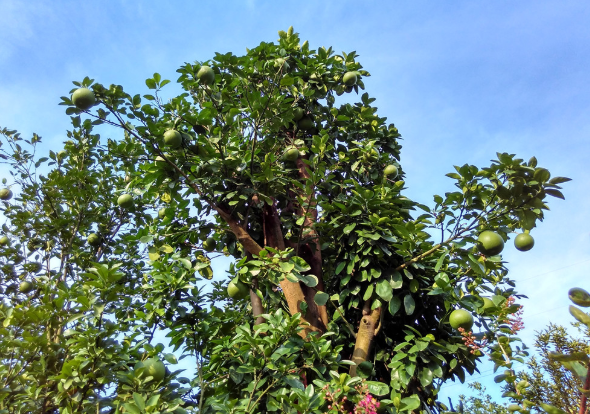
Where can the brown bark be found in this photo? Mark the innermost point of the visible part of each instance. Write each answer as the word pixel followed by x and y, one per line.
pixel 583 399
pixel 293 290
pixel 311 252
pixel 365 336
pixel 257 308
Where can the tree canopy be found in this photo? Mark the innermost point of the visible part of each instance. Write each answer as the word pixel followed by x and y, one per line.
pixel 340 289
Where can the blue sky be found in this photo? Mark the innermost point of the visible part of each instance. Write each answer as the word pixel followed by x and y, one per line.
pixel 460 79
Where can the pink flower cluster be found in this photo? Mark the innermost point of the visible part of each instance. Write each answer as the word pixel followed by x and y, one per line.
pixel 367 405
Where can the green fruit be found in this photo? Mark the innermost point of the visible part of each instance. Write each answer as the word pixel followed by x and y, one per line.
pixel 83 98
pixel 524 242
pixel 237 290
pixel 349 78
pixel 26 287
pixel 291 154
pixel 206 75
pixel 305 124
pixel 210 244
pixel 125 201
pixel 298 114
pixel 152 368
pixel 162 212
pixel 490 243
pixel 4 241
pixel 460 318
pixel 390 170
pixel 93 239
pixel 172 138
pixel 5 194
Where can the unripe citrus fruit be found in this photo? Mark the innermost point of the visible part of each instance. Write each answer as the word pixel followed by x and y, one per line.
pixel 390 170
pixel 125 201
pixel 93 239
pixel 163 211
pixel 26 287
pixel 460 318
pixel 172 138
pixel 305 124
pixel 237 290
pixel 490 243
pixel 210 244
pixel 5 194
pixel 349 78
pixel 206 75
pixel 524 242
pixel 4 241
pixel 152 368
pixel 298 114
pixel 291 154
pixel 83 98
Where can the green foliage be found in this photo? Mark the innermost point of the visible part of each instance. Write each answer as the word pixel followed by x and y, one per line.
pixel 324 240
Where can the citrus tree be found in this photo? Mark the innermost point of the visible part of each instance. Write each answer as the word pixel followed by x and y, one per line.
pixel 343 294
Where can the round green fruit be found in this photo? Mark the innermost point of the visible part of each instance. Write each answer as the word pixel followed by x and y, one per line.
pixel 298 114
pixel 210 244
pixel 490 243
pixel 172 138
pixel 5 194
pixel 83 98
pixel 93 239
pixel 524 242
pixel 291 154
pixel 4 241
pixel 390 170
pixel 206 75
pixel 460 318
pixel 125 201
pixel 152 368
pixel 349 78
pixel 26 287
pixel 305 124
pixel 162 212
pixel 237 290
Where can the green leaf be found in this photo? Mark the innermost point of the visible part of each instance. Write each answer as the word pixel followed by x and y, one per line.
pixel 132 408
pixel 349 228
pixel 139 401
pixel 574 356
pixel 580 316
pixel 294 382
pixel 580 297
pixel 368 292
pixel 364 369
pixel 339 268
pixel 425 376
pixel 394 305
pixel 377 388
pixel 410 403
pixel 384 290
pixel 554 193
pixel 321 298
pixel 550 409
pixel 396 280
pixel 440 261
pixel 287 267
pixel 409 304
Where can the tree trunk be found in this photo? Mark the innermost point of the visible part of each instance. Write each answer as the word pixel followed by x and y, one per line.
pixel 365 336
pixel 293 291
